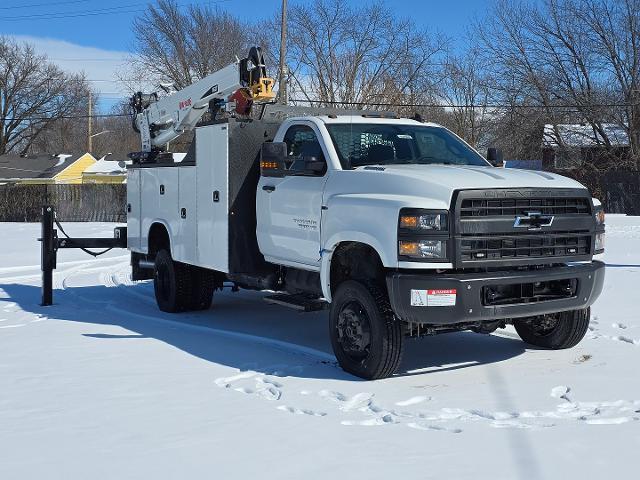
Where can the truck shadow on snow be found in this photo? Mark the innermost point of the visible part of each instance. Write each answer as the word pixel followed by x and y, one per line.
pixel 243 332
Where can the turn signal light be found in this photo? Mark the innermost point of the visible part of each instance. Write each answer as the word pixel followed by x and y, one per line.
pixel 409 248
pixel 268 165
pixel 407 221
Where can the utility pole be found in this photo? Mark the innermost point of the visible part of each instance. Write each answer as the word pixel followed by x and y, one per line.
pixel 89 139
pixel 282 80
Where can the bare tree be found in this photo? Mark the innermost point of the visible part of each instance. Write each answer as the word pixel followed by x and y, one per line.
pixel 465 90
pixel 181 47
pixel 34 94
pixel 564 61
pixel 119 139
pixel 353 55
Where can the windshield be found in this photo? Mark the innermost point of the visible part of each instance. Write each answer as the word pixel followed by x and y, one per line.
pixel 361 144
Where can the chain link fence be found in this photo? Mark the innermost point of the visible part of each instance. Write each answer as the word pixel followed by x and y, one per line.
pixel 73 203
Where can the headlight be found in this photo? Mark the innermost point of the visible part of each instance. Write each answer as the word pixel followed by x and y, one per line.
pixel 599 216
pixel 599 245
pixel 423 234
pixel 423 220
pixel 426 249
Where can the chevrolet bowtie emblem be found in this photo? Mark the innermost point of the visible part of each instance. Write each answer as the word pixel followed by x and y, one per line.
pixel 533 221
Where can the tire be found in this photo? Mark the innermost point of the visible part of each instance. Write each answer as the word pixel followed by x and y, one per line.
pixel 171 283
pixel 203 283
pixel 555 331
pixel 367 338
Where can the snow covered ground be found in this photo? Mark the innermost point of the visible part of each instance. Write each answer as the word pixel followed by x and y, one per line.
pixel 102 385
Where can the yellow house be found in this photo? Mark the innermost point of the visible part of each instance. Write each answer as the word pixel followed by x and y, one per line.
pixel 73 173
pixel 44 168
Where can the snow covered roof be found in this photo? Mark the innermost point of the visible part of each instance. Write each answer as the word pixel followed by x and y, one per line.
pixel 107 167
pixel 34 166
pixel 583 135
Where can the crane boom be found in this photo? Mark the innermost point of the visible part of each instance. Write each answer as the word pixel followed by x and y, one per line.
pixel 161 120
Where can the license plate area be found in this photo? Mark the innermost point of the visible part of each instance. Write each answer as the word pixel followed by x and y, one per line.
pixel 530 292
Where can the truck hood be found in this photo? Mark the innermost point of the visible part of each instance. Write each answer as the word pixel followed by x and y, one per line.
pixel 457 177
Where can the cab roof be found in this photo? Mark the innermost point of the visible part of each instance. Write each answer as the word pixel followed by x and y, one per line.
pixel 329 119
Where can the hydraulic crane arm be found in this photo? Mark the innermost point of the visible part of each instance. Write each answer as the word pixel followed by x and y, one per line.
pixel 161 120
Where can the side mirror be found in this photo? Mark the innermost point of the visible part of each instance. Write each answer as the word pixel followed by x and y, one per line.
pixel 495 157
pixel 272 157
pixel 313 166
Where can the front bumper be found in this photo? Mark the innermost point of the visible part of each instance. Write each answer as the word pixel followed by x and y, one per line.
pixel 469 303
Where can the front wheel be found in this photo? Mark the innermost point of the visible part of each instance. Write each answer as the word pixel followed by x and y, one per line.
pixel 555 331
pixel 366 337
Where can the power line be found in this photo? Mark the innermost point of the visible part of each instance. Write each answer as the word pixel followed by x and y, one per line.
pixel 413 105
pixel 86 13
pixel 441 105
pixel 89 13
pixel 87 59
pixel 64 117
pixel 43 4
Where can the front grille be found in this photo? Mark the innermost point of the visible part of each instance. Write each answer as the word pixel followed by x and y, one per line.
pixel 487 231
pixel 519 246
pixel 510 207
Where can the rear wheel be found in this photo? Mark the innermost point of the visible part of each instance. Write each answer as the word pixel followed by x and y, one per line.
pixel 366 337
pixel 555 331
pixel 171 283
pixel 203 283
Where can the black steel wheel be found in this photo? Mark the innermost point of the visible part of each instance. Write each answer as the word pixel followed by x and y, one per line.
pixel 366 337
pixel 171 283
pixel 555 331
pixel 354 330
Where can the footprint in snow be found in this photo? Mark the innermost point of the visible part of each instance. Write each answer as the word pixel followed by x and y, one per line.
pixel 248 391
pixel 518 424
pixel 609 421
pixel 624 339
pixel 266 381
pixel 621 326
pixel 225 382
pixel 358 402
pixel 299 411
pixel 371 422
pixel 582 359
pixel 412 401
pixel 264 387
pixel 560 391
pixel 425 426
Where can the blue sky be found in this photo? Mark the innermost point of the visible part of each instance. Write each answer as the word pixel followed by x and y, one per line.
pixel 95 36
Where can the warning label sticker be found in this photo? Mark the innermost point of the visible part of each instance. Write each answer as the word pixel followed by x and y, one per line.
pixel 433 298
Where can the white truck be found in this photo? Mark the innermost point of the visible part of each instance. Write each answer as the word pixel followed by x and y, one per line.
pixel 399 227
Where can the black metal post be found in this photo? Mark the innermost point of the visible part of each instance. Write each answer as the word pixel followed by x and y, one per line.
pixel 48 254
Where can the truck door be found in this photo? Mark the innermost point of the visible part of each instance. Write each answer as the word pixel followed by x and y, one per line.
pixel 289 209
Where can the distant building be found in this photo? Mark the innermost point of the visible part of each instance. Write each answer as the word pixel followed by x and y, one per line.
pixel 524 164
pixel 582 144
pixel 106 171
pixel 38 169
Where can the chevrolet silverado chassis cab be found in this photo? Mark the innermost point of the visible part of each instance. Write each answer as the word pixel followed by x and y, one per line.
pixel 398 227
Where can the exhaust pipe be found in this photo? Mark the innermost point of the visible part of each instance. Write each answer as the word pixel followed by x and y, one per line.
pixel 146 264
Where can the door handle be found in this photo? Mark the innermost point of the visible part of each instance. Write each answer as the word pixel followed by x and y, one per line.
pixel 269 188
